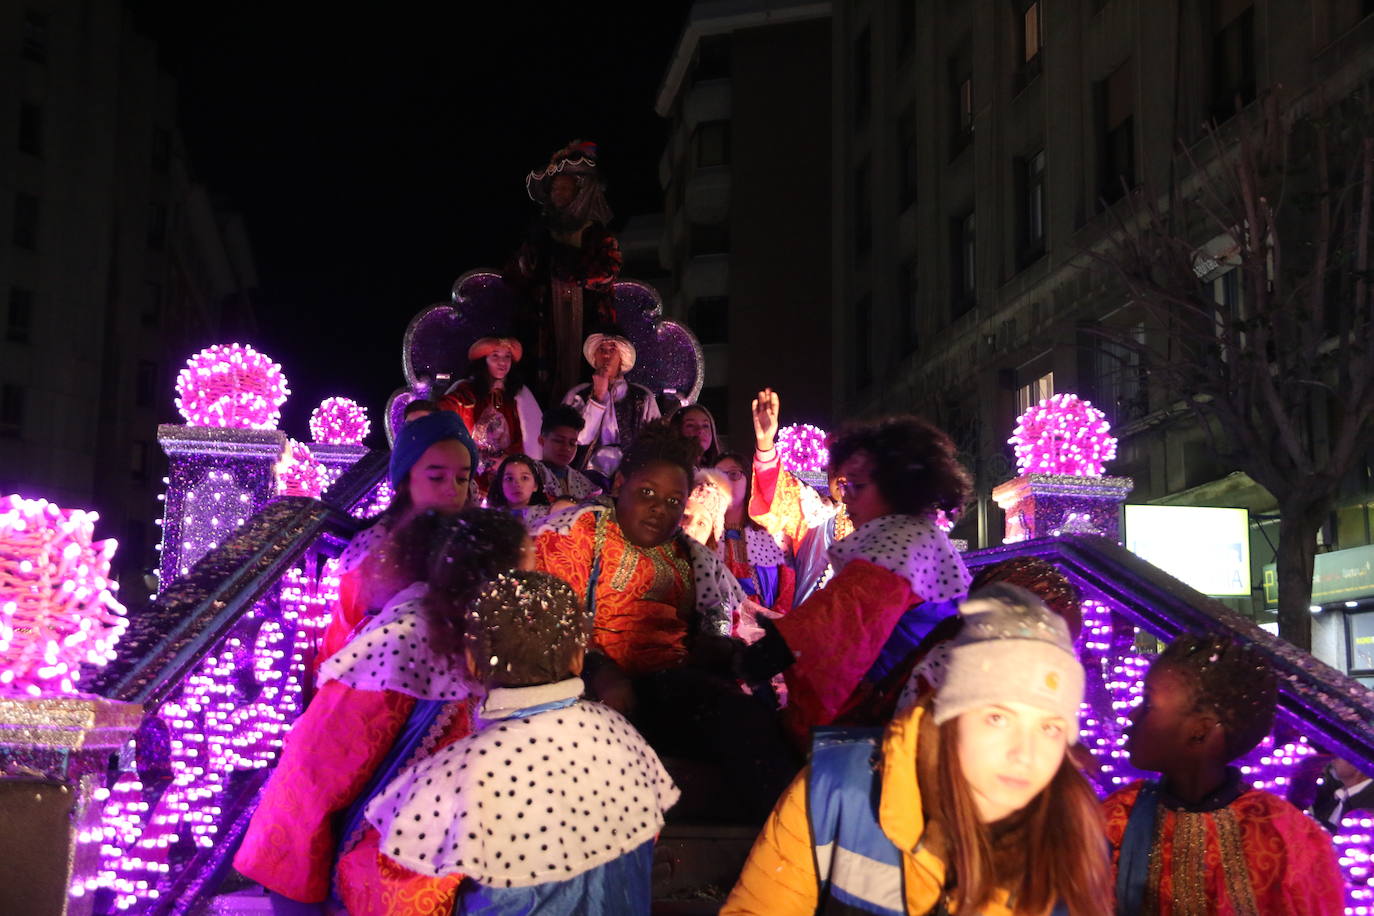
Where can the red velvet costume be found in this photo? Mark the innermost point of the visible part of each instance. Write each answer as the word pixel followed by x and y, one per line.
pixel 1256 855
pixel 500 425
pixel 327 760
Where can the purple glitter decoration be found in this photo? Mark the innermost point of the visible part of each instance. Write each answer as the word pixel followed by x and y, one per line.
pixel 434 351
pixel 1041 505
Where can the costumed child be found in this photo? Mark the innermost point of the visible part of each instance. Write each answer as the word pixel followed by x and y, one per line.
pixel 896 576
pixel 790 510
pixel 558 448
pixel 663 608
pixel 499 410
pixel 552 806
pixel 967 802
pixel 753 555
pixel 614 408
pixel 515 488
pixel 695 422
pixel 431 470
pixel 397 692
pixel 1199 839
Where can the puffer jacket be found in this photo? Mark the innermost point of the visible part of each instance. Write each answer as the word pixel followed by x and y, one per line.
pixel 780 878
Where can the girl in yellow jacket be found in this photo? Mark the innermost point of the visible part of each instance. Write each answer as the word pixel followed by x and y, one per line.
pixel 966 803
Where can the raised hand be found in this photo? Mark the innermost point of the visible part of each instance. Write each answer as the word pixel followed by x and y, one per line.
pixel 601 383
pixel 765 412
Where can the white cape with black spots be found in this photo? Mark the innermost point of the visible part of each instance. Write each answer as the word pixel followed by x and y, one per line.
pixel 913 548
pixel 527 801
pixel 393 653
pixel 363 543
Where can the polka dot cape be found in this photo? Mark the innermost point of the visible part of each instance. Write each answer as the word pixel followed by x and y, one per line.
pixel 363 543
pixel 393 652
pixel 527 801
pixel 913 548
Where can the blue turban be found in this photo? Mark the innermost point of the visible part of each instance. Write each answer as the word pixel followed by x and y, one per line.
pixel 418 435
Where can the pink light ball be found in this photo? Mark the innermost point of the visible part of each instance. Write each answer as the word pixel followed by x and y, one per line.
pixel 231 387
pixel 300 473
pixel 802 448
pixel 1063 435
pixel 339 421
pixel 58 610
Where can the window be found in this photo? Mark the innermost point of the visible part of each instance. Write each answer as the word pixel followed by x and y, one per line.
pixel 1233 57
pixel 906 29
pixel 711 144
pixel 1027 396
pixel 713 59
pixel 708 240
pixel 150 316
pixel 30 129
pixel 716 398
pixel 961 100
pixel 1118 373
pixel 145 384
pixel 11 409
pixel 35 42
pixel 863 78
pixel 863 355
pixel 1032 42
pixel 19 315
pixel 138 461
pixel 25 233
pixel 1031 179
pixel 1116 108
pixel 157 226
pixel 1229 295
pixel 906 159
pixel 162 150
pixel 963 246
pixel 908 285
pixel 710 319
pixel 863 211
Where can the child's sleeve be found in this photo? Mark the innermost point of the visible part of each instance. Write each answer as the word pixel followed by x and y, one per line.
pixel 329 755
pixel 1313 883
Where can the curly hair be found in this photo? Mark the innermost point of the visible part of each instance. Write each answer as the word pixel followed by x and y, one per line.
pixel 658 443
pixel 480 378
pixel 525 628
pixel 472 548
pixel 496 499
pixel 914 463
pixel 1229 680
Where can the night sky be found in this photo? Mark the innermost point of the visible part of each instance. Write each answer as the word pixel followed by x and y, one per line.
pixel 375 159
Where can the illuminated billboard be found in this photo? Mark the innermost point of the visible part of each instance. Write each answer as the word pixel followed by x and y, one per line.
pixel 1206 547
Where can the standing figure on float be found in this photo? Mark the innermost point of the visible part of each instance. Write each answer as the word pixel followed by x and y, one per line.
pixel 613 409
pixel 564 274
pixel 495 404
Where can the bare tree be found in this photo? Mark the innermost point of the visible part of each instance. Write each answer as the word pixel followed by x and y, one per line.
pixel 1282 376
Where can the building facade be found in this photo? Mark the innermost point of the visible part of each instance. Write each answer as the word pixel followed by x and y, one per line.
pixel 115 265
pixel 979 148
pixel 747 200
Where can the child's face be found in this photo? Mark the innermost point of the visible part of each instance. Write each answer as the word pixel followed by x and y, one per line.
pixel 440 479
pixel 696 424
pixel 649 503
pixel 1009 752
pixel 518 484
pixel 739 480
pixel 559 446
pixel 1166 727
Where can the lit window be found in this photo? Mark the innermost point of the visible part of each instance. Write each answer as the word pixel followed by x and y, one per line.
pixel 1028 396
